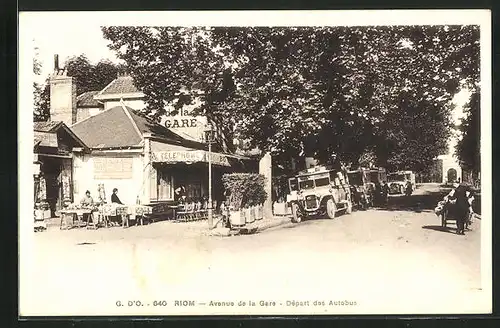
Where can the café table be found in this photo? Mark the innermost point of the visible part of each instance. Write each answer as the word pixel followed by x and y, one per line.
pixel 78 213
pixel 125 211
pixel 139 211
pixel 175 208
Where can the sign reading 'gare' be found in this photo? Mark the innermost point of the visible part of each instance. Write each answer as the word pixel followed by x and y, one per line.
pixel 181 123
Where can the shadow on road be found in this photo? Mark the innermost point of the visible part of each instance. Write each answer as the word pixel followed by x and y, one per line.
pixel 422 201
pixel 439 228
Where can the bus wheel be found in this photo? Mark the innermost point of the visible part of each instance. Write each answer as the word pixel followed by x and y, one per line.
pixel 331 209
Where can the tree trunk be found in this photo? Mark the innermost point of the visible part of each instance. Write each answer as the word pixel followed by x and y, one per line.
pixel 265 168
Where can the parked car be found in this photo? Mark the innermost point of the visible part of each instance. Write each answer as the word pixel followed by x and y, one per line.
pixel 362 189
pixel 401 182
pixel 319 192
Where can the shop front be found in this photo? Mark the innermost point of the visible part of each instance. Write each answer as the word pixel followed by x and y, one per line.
pixel 147 163
pixel 53 151
pixel 180 172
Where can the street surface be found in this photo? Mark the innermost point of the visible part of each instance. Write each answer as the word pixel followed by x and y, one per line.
pixel 384 259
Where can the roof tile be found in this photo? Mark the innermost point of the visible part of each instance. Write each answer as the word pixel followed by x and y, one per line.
pixel 122 84
pixel 108 129
pixel 113 128
pixel 86 99
pixel 49 126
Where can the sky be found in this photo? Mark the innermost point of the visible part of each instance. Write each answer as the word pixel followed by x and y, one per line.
pixel 71 41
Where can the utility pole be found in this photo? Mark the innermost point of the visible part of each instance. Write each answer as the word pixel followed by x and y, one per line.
pixel 209 138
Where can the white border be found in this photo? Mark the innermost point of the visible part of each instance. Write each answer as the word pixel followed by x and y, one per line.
pixel 29 21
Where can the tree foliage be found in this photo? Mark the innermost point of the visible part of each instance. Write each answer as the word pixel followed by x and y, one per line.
pixel 40 93
pixel 468 148
pixel 319 91
pixel 91 77
pixel 88 77
pixel 244 189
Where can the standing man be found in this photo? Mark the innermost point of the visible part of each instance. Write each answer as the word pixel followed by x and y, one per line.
pixel 385 193
pixel 460 202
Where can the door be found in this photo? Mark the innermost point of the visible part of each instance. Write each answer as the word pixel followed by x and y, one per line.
pixel 452 175
pixel 52 172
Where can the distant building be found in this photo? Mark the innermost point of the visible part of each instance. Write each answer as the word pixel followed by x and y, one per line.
pixel 451 169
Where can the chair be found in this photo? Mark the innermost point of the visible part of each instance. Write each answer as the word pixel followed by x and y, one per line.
pixel 91 220
pixel 204 210
pixel 190 211
pixel 197 210
pixel 181 214
pixel 105 211
pixel 123 212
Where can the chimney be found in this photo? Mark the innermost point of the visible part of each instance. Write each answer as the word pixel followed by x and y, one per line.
pixel 56 63
pixel 62 95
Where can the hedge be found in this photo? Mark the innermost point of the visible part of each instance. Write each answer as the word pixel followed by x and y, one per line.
pixel 244 189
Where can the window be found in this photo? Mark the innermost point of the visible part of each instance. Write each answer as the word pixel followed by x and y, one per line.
pixel 193 190
pixel 306 184
pixel 322 182
pixel 165 185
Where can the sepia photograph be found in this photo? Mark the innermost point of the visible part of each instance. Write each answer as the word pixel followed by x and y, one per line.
pixel 255 163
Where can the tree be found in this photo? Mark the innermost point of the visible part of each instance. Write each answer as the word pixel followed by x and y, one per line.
pixel 90 77
pixel 321 91
pixel 468 148
pixel 40 93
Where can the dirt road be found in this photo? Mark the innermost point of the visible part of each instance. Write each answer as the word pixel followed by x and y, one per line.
pixel 393 260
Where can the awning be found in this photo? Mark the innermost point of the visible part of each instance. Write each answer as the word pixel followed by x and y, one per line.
pixel 56 155
pixel 167 153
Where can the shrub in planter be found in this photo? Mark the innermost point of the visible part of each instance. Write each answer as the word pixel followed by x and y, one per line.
pixel 260 212
pixel 249 214
pixel 243 190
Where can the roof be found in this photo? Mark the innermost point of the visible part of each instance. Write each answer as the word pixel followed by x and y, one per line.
pixel 86 99
pixel 45 133
pixel 119 127
pixel 37 141
pixel 49 126
pixel 120 85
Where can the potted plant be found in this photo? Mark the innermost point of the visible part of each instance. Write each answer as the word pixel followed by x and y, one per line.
pixel 244 191
pixel 249 218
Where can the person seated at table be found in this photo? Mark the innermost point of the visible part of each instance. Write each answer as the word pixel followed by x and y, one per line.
pixel 87 200
pixel 114 197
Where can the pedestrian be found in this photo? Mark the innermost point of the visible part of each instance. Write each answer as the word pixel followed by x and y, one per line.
pixel 180 192
pixel 385 192
pixel 408 188
pixel 114 197
pixel 461 206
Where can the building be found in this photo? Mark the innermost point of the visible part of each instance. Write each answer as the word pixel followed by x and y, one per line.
pixel 145 160
pixel 451 169
pixel 53 146
pixel 149 158
pixel 87 106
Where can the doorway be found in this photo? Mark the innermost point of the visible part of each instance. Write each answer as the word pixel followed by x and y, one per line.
pixel 451 175
pixel 52 168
